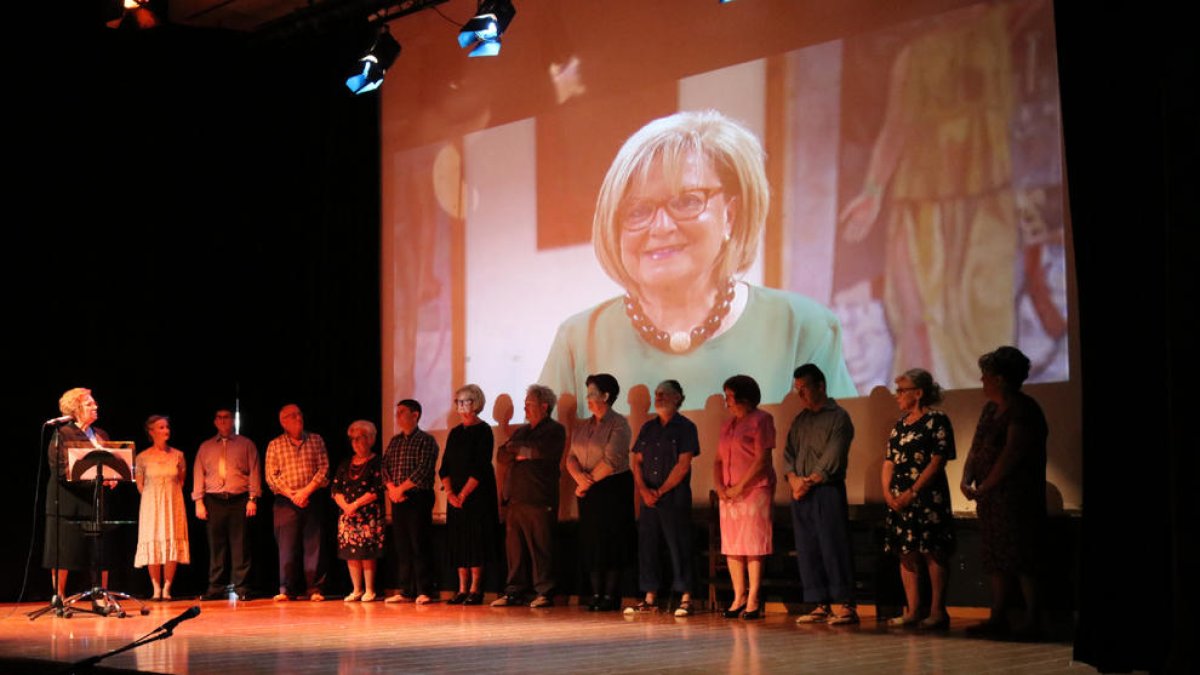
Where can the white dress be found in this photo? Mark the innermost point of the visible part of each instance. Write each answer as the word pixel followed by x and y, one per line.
pixel 162 518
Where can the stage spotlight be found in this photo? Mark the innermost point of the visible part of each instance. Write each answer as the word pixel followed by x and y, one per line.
pixel 374 64
pixel 485 28
pixel 130 14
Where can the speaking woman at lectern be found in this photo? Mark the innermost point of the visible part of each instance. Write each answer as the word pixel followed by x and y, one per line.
pixel 69 503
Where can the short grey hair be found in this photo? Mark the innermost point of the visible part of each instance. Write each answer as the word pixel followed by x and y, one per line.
pixel 931 391
pixel 365 426
pixel 474 393
pixel 672 386
pixel 544 395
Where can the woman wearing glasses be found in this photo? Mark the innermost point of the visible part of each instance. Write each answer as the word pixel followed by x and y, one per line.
pixel 678 218
pixel 472 510
pixel 920 524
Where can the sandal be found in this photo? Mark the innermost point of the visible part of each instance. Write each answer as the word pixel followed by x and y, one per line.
pixel 819 615
pixel 849 616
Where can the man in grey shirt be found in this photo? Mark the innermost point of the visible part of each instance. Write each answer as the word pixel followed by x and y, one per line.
pixel 818 448
pixel 227 485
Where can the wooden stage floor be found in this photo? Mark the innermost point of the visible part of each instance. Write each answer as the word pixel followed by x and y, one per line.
pixel 261 636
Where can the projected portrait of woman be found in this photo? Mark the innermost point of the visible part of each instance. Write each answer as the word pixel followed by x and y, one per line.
pixel 678 218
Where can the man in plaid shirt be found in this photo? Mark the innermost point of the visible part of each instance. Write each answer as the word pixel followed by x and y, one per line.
pixel 408 464
pixel 297 466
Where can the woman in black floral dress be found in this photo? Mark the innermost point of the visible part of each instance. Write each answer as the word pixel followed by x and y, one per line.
pixel 920 524
pixel 358 491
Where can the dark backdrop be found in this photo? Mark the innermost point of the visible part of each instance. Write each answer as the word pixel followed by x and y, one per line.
pixel 198 220
pixel 194 217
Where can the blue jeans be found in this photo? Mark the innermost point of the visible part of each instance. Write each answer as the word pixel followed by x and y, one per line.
pixel 822 525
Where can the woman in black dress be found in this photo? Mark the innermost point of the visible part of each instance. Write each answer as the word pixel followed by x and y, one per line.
pixel 358 491
pixel 69 503
pixel 1005 473
pixel 920 524
pixel 472 509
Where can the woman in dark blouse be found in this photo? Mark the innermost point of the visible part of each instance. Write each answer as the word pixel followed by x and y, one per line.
pixel 472 509
pixel 1005 474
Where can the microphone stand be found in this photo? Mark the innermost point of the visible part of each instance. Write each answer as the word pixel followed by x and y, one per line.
pixel 105 602
pixel 161 633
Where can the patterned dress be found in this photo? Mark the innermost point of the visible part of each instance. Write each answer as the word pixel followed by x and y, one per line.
pixel 927 525
pixel 162 520
pixel 360 535
pixel 1012 515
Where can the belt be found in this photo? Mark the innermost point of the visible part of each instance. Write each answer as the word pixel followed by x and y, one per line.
pixel 226 496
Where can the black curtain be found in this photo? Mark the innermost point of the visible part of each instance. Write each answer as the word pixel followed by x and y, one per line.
pixel 1128 80
pixel 195 217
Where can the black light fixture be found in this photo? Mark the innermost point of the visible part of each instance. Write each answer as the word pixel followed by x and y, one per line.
pixel 368 75
pixel 482 33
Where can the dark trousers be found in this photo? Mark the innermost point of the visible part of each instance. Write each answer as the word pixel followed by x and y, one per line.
pixel 670 521
pixel 291 524
pixel 822 524
pixel 529 547
pixel 227 530
pixel 412 524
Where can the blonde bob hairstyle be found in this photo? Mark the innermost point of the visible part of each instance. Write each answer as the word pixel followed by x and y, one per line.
pixel 735 154
pixel 474 393
pixel 71 402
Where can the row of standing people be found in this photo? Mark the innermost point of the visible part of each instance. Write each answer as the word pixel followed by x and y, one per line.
pixel 1004 472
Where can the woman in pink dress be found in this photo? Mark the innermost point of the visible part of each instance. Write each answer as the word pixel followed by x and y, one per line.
pixel 745 483
pixel 162 520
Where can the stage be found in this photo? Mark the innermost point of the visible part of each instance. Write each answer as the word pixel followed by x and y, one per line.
pixel 262 636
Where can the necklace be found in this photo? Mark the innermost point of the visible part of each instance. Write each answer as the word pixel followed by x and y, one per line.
pixel 681 342
pixel 357 469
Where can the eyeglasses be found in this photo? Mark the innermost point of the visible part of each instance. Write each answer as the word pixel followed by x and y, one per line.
pixel 687 205
pixel 463 401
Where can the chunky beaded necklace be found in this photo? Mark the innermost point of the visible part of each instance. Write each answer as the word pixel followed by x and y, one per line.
pixel 681 342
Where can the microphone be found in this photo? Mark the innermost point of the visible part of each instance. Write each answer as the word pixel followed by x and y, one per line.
pixel 189 613
pixel 58 420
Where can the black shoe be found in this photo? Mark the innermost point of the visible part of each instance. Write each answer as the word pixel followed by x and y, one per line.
pixel 752 615
pixel 608 604
pixel 594 604
pixel 245 596
pixel 733 613
pixel 458 599
pixel 473 599
pixel 215 595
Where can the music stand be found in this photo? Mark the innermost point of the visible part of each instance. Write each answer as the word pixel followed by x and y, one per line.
pixel 90 464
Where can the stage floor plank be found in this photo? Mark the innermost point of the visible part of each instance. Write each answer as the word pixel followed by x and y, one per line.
pixel 335 637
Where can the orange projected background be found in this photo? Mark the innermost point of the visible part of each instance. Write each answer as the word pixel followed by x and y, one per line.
pixel 917 191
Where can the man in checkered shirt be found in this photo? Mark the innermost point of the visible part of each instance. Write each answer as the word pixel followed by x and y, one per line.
pixel 297 466
pixel 408 474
